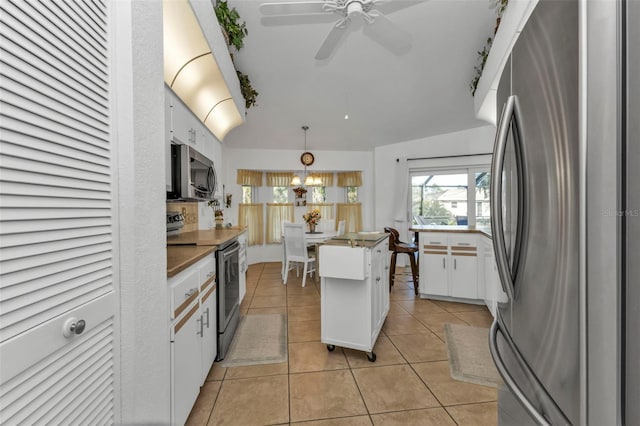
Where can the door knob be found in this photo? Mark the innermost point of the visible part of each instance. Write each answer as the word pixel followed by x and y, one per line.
pixel 73 326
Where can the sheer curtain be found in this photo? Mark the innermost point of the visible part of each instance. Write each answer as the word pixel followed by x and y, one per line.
pixel 276 213
pixel 352 214
pixel 326 209
pixel 250 216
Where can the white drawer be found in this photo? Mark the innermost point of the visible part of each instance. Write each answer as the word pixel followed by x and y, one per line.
pixel 207 271
pixel 433 239
pixel 343 262
pixel 183 292
pixel 463 240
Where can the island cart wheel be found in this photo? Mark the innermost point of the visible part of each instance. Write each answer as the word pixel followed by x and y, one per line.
pixel 371 357
pixel 331 348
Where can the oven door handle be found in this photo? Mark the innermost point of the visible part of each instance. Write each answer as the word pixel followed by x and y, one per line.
pixel 226 252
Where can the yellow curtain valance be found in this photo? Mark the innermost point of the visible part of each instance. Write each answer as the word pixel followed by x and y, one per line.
pixel 325 177
pixel 279 178
pixel 249 177
pixel 350 178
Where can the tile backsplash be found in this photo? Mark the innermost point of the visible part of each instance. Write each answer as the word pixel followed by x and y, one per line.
pixel 190 213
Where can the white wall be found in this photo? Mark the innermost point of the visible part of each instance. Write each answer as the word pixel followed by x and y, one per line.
pixel 289 160
pixel 143 396
pixel 478 140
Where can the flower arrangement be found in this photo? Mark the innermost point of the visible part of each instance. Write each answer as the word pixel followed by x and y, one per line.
pixel 312 217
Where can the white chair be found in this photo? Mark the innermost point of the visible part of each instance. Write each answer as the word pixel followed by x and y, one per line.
pixel 341 226
pixel 327 225
pixel 284 249
pixel 296 251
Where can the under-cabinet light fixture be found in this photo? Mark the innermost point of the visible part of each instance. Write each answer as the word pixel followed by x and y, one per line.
pixel 191 70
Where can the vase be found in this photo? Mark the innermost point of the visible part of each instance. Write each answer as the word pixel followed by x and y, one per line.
pixel 312 228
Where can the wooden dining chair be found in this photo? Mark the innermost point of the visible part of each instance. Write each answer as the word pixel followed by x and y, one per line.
pixel 296 251
pixel 396 246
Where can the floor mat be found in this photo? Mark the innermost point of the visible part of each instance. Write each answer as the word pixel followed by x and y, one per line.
pixel 259 339
pixel 469 356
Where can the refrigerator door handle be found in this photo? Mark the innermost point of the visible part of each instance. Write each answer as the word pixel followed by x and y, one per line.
pixel 510 118
pixel 508 380
pixel 497 226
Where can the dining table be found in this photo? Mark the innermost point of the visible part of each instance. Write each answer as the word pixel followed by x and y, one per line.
pixel 315 239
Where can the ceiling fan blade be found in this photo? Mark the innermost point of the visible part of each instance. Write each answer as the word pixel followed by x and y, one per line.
pixel 294 8
pixel 310 19
pixel 389 35
pixel 390 6
pixel 333 38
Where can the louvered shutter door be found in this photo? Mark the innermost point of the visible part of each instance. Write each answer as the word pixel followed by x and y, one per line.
pixel 56 201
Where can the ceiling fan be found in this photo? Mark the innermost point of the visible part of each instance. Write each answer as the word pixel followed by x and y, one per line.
pixel 379 27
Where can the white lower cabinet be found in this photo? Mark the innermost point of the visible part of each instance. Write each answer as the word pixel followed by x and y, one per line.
pixel 193 334
pixel 493 293
pixel 242 260
pixel 185 363
pixel 209 330
pixel 449 265
pixel 354 295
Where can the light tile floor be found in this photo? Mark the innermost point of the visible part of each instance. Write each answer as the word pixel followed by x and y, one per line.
pixel 409 384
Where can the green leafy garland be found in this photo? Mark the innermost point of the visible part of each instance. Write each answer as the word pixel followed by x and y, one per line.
pixel 500 6
pixel 235 32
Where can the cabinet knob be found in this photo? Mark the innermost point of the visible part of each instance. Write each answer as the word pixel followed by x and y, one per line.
pixel 73 326
pixel 378 279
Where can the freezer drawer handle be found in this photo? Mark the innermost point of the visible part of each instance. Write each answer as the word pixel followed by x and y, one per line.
pixel 513 386
pixel 493 346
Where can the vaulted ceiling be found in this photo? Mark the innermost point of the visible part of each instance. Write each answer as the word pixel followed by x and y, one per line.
pixel 389 97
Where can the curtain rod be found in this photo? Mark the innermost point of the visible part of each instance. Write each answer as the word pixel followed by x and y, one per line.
pixel 446 156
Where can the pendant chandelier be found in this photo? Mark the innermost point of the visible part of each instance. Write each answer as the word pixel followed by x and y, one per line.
pixel 307 159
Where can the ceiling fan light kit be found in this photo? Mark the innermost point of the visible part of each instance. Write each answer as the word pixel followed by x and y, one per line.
pixel 379 28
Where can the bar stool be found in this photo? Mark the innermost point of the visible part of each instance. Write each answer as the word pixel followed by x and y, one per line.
pixel 396 246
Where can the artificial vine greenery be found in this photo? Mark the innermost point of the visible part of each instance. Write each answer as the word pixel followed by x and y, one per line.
pixel 248 92
pixel 235 32
pixel 229 20
pixel 500 6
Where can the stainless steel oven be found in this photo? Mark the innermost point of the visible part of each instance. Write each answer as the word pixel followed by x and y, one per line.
pixel 228 276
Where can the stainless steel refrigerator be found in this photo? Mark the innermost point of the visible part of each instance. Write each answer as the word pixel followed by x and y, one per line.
pixel 565 217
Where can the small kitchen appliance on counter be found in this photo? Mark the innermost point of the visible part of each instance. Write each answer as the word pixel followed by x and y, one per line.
pixel 175 222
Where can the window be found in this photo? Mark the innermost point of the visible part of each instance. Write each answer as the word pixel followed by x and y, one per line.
pixel 318 194
pixel 440 199
pixel 247 194
pixel 483 208
pixel 280 194
pixel 454 197
pixel 352 194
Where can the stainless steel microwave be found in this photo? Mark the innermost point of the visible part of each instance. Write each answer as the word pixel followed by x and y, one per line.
pixel 193 176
